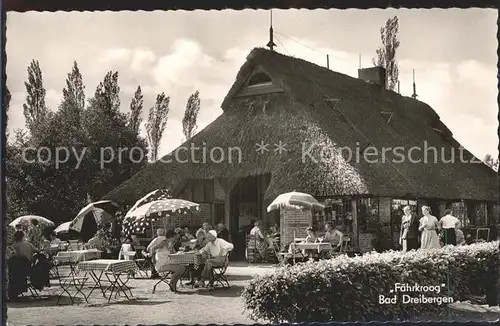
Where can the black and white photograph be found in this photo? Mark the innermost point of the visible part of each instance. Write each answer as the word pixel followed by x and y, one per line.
pixel 252 166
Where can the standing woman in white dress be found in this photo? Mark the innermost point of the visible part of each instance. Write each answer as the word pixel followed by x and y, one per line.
pixel 428 227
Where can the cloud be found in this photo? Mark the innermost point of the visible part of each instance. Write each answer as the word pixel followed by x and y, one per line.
pixel 142 59
pixel 457 78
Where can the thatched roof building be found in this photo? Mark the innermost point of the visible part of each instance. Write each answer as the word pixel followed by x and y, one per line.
pixel 317 114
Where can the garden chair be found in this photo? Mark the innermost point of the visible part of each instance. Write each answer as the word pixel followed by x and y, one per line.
pixel 482 234
pixel 219 273
pixel 142 267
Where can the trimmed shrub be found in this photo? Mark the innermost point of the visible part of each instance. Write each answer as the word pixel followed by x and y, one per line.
pixel 349 289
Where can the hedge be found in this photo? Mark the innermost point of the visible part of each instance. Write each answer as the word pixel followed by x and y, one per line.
pixel 348 289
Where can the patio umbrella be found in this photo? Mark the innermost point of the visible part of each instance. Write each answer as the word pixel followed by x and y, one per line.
pixel 28 218
pixel 158 194
pixel 162 208
pixel 63 228
pixel 102 211
pixel 297 200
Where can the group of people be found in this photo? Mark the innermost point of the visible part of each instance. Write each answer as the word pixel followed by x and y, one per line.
pixel 428 232
pixel 26 258
pixel 333 235
pixel 208 242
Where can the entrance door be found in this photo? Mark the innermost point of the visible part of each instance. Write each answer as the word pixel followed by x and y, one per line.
pixel 247 200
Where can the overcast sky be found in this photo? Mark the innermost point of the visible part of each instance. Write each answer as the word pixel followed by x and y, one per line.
pixel 453 52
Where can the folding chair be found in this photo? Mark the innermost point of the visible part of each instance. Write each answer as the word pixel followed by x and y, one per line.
pixel 143 264
pixel 219 274
pixel 164 278
pixel 70 282
pixel 31 289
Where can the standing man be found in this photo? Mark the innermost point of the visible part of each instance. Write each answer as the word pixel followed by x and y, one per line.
pixel 449 224
pixel 222 232
pixel 409 230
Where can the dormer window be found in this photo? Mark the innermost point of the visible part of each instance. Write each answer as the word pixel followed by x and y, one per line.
pixel 260 79
pixel 258 83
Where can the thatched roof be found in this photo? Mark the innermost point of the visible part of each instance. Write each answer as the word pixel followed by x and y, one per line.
pixel 322 109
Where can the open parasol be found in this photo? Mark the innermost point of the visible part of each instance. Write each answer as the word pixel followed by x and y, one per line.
pixel 297 200
pixel 162 208
pixel 102 211
pixel 28 218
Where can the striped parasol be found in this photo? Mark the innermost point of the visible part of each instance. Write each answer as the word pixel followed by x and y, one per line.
pixel 102 211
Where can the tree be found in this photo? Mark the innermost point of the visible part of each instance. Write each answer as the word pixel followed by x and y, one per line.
pixel 491 162
pixel 135 117
pixel 386 54
pixel 115 151
pixel 35 111
pixel 157 122
pixel 189 122
pixel 73 102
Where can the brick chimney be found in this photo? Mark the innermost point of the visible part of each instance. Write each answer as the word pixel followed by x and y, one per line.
pixel 373 75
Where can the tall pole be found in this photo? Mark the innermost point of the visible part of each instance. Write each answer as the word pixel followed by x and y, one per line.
pixel 360 61
pixel 271 44
pixel 327 61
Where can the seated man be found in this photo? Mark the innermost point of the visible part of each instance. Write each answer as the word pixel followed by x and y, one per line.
pixel 216 250
pixel 334 237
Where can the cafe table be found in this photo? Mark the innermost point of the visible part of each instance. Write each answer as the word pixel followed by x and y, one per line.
pixel 191 260
pixel 112 269
pixel 319 246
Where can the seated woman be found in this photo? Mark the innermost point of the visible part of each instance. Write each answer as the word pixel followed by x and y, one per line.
pixel 187 235
pixel 310 238
pixel 19 265
pixel 273 236
pixel 162 251
pixel 261 242
pixel 22 247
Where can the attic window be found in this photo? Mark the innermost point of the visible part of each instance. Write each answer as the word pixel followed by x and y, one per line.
pixel 259 79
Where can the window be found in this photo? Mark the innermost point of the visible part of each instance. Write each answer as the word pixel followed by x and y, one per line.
pixel 481 214
pixel 337 212
pixel 459 210
pixel 368 214
pixel 259 79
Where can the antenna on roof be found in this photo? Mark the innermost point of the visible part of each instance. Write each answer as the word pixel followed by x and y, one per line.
pixel 360 61
pixel 414 95
pixel 327 61
pixel 271 44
